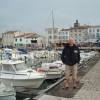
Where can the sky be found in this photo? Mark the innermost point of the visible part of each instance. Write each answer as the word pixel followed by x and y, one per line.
pixel 36 15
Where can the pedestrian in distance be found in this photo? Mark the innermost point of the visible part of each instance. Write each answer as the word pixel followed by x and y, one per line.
pixel 71 57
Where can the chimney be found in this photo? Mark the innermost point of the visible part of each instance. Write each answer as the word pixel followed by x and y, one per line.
pixel 76 24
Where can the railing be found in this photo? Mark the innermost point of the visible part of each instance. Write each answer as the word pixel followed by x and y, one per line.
pixel 90 48
pixel 83 48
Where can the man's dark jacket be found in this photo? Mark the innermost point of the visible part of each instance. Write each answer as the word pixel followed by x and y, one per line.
pixel 70 55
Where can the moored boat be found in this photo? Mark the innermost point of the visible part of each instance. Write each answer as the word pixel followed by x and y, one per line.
pixel 19 74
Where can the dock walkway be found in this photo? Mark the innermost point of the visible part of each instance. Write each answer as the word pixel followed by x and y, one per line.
pixel 90 89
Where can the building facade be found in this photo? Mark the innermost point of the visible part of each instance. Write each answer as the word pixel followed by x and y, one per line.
pixel 63 36
pixel 78 32
pixel 94 33
pixel 8 39
pixel 52 36
pixel 29 41
pixel 83 34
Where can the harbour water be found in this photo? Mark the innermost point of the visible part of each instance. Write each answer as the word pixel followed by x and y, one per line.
pixel 34 92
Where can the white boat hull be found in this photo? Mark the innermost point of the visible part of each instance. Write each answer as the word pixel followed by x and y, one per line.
pixel 53 75
pixel 17 72
pixel 27 83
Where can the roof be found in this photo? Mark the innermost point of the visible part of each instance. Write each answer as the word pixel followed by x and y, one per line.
pixel 28 35
pixel 72 28
pixel 9 32
pixel 95 26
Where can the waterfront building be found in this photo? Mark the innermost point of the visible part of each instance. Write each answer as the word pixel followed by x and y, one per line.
pixel 28 40
pixel 83 34
pixel 94 33
pixel 8 38
pixel 52 36
pixel 63 37
pixel 79 32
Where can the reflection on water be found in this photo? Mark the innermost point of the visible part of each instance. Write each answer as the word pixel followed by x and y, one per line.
pixel 45 84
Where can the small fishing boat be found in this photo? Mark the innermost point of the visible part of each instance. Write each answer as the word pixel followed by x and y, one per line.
pixel 52 70
pixel 19 74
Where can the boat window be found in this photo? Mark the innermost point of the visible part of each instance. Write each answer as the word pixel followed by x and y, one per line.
pixel 7 67
pixel 20 66
pixel 53 67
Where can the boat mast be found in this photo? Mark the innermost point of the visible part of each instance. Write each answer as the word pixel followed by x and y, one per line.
pixel 52 29
pixel 52 26
pixel 52 22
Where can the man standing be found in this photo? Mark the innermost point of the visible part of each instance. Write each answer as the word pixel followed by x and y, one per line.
pixel 70 57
